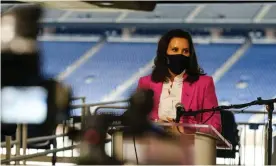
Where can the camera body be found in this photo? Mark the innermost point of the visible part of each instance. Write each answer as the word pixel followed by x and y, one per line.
pixel 27 97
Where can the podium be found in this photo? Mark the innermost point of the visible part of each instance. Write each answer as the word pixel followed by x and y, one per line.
pixel 190 144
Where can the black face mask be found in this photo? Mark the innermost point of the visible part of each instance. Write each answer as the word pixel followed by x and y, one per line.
pixel 177 63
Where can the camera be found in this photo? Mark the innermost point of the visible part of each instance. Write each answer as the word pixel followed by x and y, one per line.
pixel 28 97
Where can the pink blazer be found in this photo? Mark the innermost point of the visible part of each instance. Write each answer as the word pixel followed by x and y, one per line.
pixel 198 95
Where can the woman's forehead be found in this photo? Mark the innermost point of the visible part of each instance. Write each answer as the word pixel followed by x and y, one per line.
pixel 179 42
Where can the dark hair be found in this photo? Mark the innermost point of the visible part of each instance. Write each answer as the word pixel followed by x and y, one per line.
pixel 160 72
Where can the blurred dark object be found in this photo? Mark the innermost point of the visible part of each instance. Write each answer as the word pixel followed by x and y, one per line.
pixel 93 134
pixel 8 130
pixel 131 5
pixel 19 55
pixel 78 4
pixel 27 18
pixel 230 132
pixel 21 76
pixel 20 60
pixel 136 116
pixel 12 2
pixel 58 104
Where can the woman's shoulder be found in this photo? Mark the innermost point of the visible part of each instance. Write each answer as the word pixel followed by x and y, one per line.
pixel 206 79
pixel 146 78
pixel 144 82
pixel 201 79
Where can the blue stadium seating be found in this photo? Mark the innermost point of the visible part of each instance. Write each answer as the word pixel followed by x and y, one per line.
pixel 257 69
pixel 116 62
pixel 113 64
pixel 107 16
pixel 57 56
pixel 210 57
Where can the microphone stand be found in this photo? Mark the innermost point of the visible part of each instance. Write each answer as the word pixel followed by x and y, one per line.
pixel 269 107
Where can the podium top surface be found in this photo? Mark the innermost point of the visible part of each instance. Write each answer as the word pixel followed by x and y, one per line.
pixel 184 128
pixel 199 129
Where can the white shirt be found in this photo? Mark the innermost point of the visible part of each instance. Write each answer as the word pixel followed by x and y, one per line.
pixel 171 95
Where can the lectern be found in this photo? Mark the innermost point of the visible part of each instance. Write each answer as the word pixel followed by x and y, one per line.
pixel 192 144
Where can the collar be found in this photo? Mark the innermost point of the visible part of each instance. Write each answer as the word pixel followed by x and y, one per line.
pixel 181 77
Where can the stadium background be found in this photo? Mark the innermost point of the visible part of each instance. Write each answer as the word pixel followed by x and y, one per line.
pixel 103 53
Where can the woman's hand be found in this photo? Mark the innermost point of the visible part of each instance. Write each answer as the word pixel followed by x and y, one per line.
pixel 175 129
pixel 162 121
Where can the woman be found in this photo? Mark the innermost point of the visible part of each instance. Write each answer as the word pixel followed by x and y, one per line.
pixel 176 78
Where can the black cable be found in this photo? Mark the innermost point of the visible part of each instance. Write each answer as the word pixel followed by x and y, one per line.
pixel 135 150
pixel 178 129
pixel 213 113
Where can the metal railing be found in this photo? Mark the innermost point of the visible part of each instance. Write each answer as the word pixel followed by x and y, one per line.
pixel 113 107
pixel 97 104
pixel 242 156
pixel 85 111
pixel 24 157
pixel 9 143
pixel 33 140
pixel 253 143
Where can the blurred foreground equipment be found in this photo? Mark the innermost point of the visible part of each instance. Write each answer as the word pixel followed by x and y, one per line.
pixel 93 135
pixel 82 5
pixel 27 97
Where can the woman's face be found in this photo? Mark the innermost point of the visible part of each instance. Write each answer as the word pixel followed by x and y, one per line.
pixel 178 46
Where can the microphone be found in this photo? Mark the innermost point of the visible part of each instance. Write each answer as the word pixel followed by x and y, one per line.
pixel 179 111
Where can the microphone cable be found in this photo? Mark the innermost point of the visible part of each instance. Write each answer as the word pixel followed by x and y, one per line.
pixel 213 113
pixel 177 127
pixel 136 155
pixel 178 130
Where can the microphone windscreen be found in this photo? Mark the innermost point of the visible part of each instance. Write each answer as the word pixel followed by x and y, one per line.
pixel 179 105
